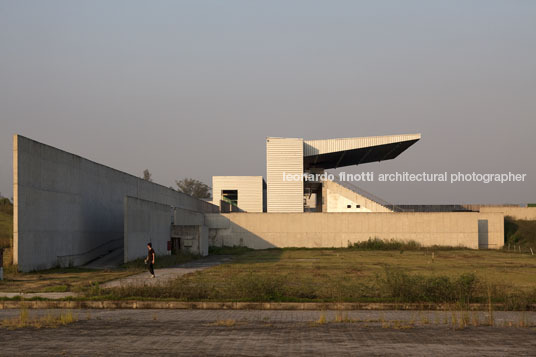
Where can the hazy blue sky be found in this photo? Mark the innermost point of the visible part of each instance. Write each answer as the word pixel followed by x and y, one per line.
pixel 192 88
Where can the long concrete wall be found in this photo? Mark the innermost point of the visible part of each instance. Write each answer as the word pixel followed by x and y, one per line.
pixel 145 222
pixel 315 230
pixel 69 210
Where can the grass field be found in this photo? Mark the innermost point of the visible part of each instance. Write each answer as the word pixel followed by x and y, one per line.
pixel 361 274
pixel 452 276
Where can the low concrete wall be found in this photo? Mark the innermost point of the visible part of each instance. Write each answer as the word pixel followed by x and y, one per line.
pixel 146 221
pixel 315 230
pixel 527 213
pixel 69 210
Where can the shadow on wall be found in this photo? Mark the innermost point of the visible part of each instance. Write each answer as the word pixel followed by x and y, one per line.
pixel 217 238
pixel 69 210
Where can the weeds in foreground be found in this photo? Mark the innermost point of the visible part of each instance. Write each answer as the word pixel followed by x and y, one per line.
pixel 453 319
pixel 343 318
pixel 491 320
pixel 322 320
pixel 47 321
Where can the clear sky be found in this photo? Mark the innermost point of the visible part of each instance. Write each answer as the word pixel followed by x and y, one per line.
pixel 192 88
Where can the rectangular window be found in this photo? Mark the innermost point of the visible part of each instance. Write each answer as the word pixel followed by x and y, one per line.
pixel 230 196
pixel 357 206
pixel 348 206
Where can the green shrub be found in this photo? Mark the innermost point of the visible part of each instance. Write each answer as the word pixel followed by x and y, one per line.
pixel 519 232
pixel 466 287
pixel 394 244
pixel 381 244
pixel 512 297
pixel 418 288
pixel 6 206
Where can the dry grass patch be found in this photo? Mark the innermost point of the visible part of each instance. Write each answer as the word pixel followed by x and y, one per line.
pixel 60 280
pixel 49 320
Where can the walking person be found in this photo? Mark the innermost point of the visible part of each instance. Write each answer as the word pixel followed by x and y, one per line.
pixel 150 258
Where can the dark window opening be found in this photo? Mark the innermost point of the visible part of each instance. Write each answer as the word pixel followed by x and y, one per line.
pixel 348 206
pixel 357 206
pixel 230 196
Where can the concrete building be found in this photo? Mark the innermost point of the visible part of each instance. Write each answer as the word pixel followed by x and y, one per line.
pixel 294 169
pixel 69 210
pixel 297 182
pixel 245 192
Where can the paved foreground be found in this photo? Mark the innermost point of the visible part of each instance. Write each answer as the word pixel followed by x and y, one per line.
pixel 270 333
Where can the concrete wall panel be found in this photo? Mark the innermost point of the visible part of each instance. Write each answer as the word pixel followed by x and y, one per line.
pixel 144 222
pixel 185 217
pixel 69 210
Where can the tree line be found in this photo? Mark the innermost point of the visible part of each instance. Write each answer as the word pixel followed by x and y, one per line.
pixel 189 186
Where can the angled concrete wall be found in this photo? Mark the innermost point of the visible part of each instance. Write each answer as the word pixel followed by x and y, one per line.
pixel 145 222
pixel 322 230
pixel 69 210
pixel 338 198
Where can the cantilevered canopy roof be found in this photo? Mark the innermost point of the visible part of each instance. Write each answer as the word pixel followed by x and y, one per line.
pixel 333 153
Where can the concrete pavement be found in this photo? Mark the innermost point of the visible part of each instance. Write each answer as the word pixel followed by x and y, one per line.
pixel 269 333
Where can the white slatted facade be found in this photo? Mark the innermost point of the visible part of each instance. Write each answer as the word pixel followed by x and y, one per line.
pixel 316 147
pixel 250 191
pixel 284 155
